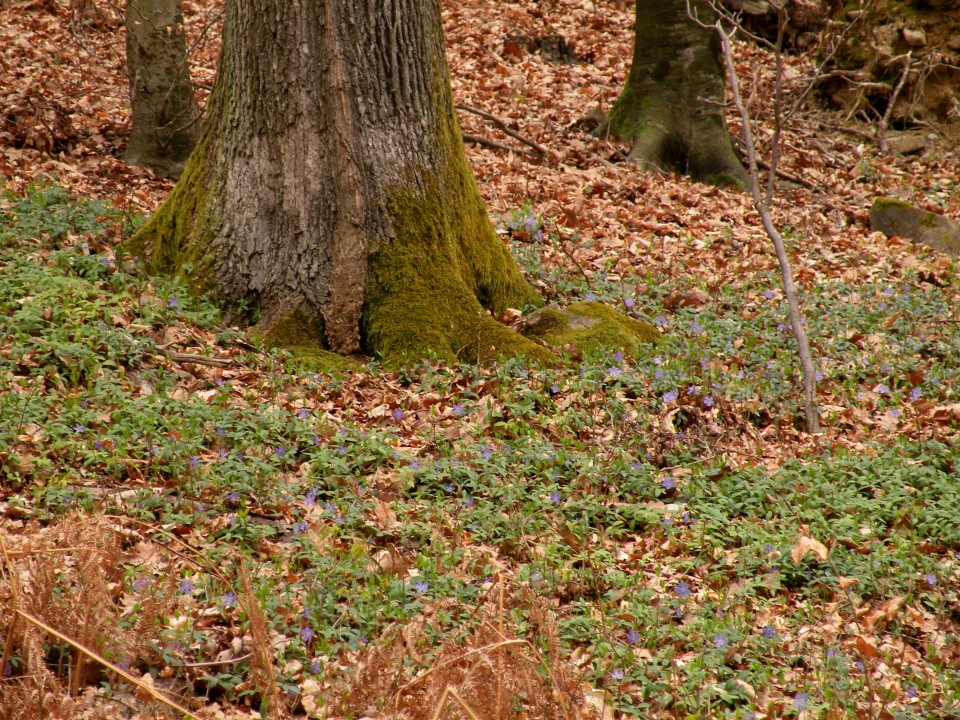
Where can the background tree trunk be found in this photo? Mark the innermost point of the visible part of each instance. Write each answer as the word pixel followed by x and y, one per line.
pixel 671 106
pixel 330 189
pixel 164 126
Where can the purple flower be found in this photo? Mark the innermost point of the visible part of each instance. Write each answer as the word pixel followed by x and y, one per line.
pixel 414 464
pixel 911 691
pixel 670 396
pixel 616 674
pixel 221 431
pixel 555 497
pixel 629 302
pixel 315 667
pixel 682 589
pixel 141 584
pixel 303 413
pixel 769 632
pixel 194 462
pixel 397 413
pixel 421 587
pixel 79 429
pixel 930 579
pixel 229 600
pixel 882 389
pixel 708 401
pixel 660 321
pixel 721 642
pixel 186 587
pixel 633 637
pixel 696 328
pixel 800 701
pixel 173 303
pixel 233 497
pixel 768 294
pixel 915 394
pixel 613 372
pixel 487 452
pixel 590 297
pixel 300 527
pixel 307 634
pixel 618 356
pixel 554 388
pixel 279 451
pixel 310 498
pixel 459 410
pixel 669 483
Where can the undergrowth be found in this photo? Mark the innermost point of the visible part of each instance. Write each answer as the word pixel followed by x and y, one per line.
pixel 652 529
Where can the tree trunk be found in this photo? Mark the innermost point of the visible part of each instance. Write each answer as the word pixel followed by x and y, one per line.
pixel 671 106
pixel 165 113
pixel 330 189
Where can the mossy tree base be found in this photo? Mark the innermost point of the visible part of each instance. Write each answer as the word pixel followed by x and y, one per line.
pixel 671 106
pixel 587 327
pixel 335 200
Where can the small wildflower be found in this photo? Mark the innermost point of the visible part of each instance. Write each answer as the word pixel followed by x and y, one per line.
pixel 97 444
pixel 708 401
pixel 397 414
pixel 670 396
pixel 859 665
pixel 629 302
pixel 930 579
pixel 315 666
pixel 770 632
pixel 669 483
pixel 536 578
pixel 307 634
pixel 194 462
pixel 303 413
pixel 316 440
pixel 555 497
pixel 696 328
pixel 341 450
pixel 768 294
pixel 618 356
pixel 833 653
pixel 421 587
pixel 882 389
pixel 633 637
pixel 79 429
pixel 233 497
pixel 911 691
pixel 229 600
pixel 414 464
pixel 141 584
pixel 800 701
pixel 590 297
pixel 300 527
pixel 915 394
pixel 613 372
pixel 310 498
pixel 221 431
pixel 459 410
pixel 682 589
pixel 721 642
pixel 616 674
pixel 660 321
pixel 186 587
pixel 279 451
pixel 173 303
pixel 487 452
pixel 554 388
pixel 818 375
pixel 307 613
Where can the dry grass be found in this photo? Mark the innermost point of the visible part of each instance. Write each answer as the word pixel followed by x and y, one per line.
pixel 68 577
pixel 486 672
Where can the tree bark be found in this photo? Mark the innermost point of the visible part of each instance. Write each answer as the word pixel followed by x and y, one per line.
pixel 671 106
pixel 164 124
pixel 330 190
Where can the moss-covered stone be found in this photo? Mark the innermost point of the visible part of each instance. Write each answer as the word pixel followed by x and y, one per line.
pixel 317 360
pixel 588 327
pixel 895 217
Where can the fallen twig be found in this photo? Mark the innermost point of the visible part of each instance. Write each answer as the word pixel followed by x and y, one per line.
pixel 502 126
pixel 493 144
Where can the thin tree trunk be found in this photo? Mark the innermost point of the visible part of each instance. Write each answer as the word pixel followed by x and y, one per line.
pixel 330 189
pixel 164 124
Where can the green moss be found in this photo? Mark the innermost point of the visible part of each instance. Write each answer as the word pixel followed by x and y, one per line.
pixel 178 237
pixel 426 286
pixel 588 326
pixel 888 202
pixel 291 328
pixel 317 360
pixel 726 180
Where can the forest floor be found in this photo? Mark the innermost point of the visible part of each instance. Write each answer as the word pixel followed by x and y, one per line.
pixel 653 536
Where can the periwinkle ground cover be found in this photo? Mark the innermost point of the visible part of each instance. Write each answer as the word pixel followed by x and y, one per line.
pixel 618 490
